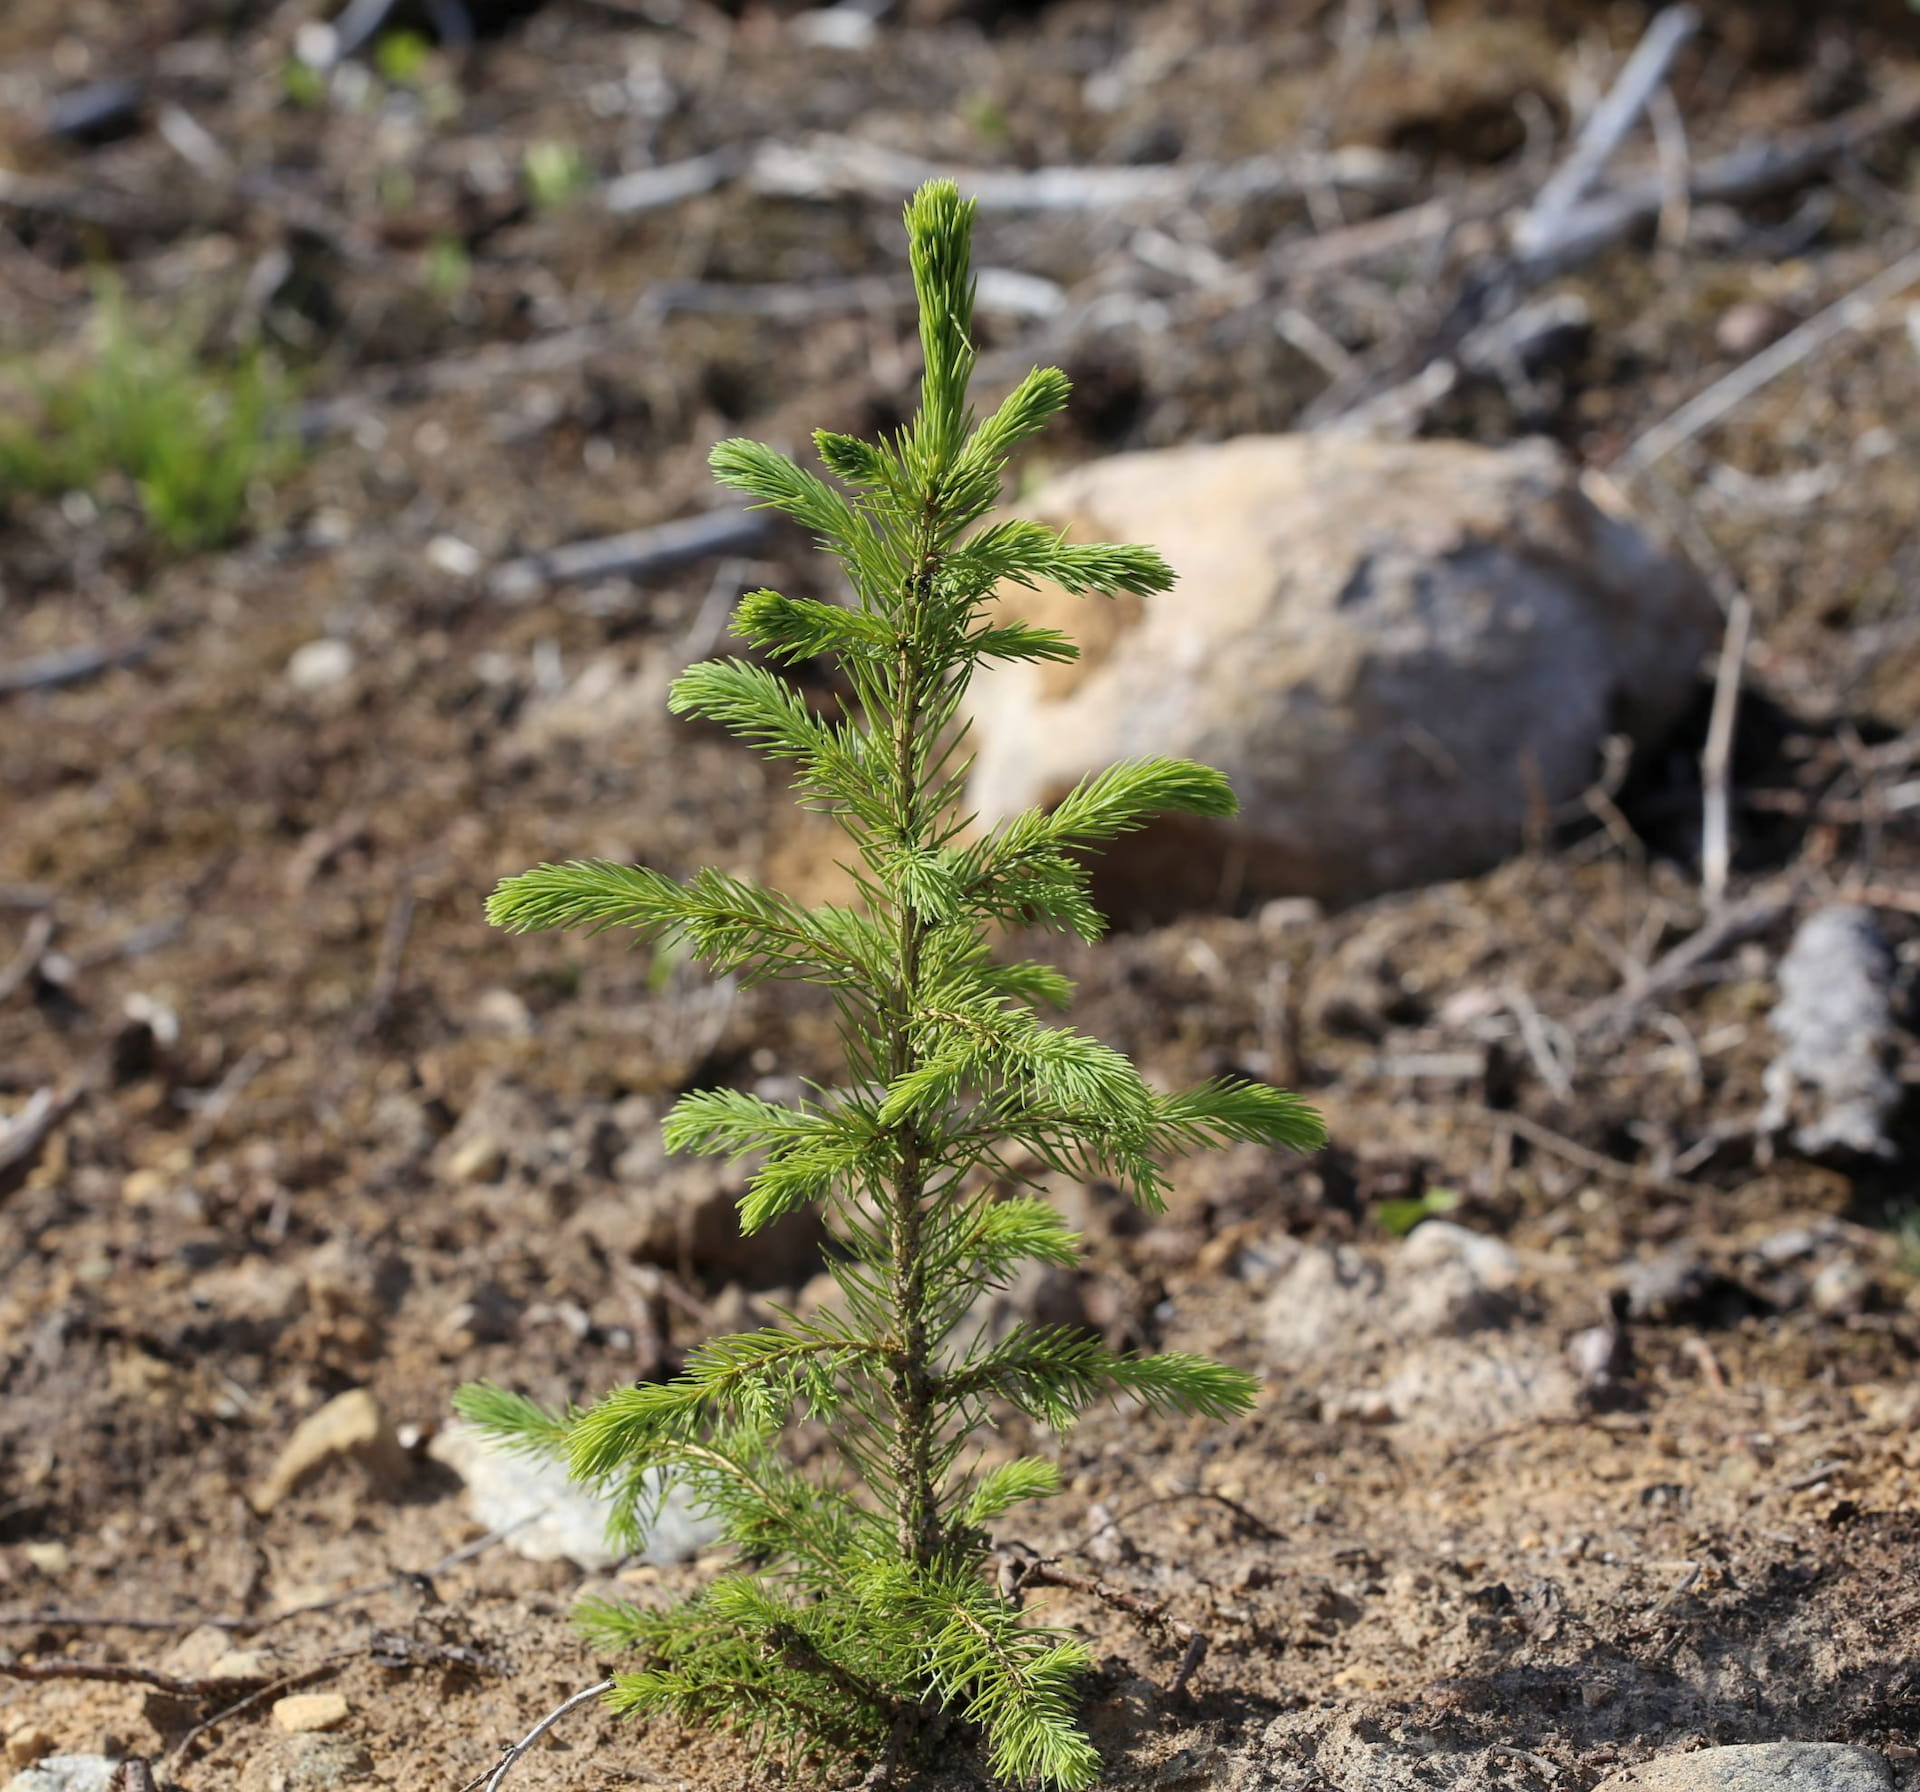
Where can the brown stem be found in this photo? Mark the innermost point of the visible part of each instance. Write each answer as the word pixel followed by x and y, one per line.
pixel 919 1518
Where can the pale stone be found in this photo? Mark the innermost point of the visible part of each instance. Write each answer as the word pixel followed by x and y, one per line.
pixel 1398 652
pixel 301 1712
pixel 352 1426
pixel 51 1559
pixel 547 1518
pixel 66 1773
pixel 1759 1767
pixel 320 665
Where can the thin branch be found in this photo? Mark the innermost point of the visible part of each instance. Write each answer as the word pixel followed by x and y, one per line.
pixel 632 555
pixel 1558 1145
pixel 24 1135
pixel 114 1673
pixel 1542 229
pixel 1725 395
pixel 26 961
pixel 496 1777
pixel 1716 758
pixel 273 1689
pixel 1611 1016
pixel 72 665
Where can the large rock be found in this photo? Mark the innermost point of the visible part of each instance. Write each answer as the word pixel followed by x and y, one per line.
pixel 1759 1767
pixel 1398 651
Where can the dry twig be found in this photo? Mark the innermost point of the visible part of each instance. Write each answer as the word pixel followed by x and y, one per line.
pixel 115 1673
pixel 1610 1017
pixel 272 1690
pixel 1571 1151
pixel 26 961
pixel 1540 233
pixel 633 554
pixel 495 1777
pixel 24 1136
pixel 1716 758
pixel 1854 312
pixel 72 665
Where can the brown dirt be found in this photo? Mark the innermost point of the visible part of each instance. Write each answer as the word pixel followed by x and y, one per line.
pixel 276 1207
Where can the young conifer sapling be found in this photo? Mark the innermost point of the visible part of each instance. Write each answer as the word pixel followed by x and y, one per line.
pixel 862 1613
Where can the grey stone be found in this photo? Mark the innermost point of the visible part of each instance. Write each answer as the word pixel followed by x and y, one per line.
pixel 65 1773
pixel 320 665
pixel 1444 1282
pixel 1759 1767
pixel 505 1489
pixel 1836 1026
pixel 1397 651
pixel 1668 1287
pixel 1455 1388
pixel 310 1763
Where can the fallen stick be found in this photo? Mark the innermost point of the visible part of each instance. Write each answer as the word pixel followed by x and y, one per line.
pixel 71 665
pixel 1408 381
pixel 113 1672
pixel 635 553
pixel 24 1136
pixel 1748 171
pixel 23 192
pixel 673 183
pixel 1725 395
pixel 1605 130
pixel 496 1776
pixel 388 966
pixel 254 1626
pixel 829 167
pixel 1716 757
pixel 1609 1017
pixel 1571 1151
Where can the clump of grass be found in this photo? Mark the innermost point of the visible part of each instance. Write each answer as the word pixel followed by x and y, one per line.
pixel 193 436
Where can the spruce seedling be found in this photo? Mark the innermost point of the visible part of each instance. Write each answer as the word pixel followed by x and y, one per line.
pixel 862 1610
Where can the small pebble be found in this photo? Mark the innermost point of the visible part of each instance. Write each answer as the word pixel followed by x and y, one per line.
pixel 302 1712
pixel 320 665
pixel 1759 1767
pixel 352 1426
pixel 1748 327
pixel 52 1559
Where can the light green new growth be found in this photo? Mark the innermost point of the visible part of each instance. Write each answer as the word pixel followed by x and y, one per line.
pixel 862 1608
pixel 192 437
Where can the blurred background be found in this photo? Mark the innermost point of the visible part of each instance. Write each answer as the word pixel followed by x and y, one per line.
pixel 1527 392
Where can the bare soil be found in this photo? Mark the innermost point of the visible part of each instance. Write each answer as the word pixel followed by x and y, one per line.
pixel 248 915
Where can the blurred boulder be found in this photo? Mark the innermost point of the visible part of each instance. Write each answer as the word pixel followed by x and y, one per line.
pixel 1836 1026
pixel 1401 653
